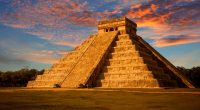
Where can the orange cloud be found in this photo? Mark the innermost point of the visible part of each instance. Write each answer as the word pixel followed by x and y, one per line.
pixel 177 40
pixel 138 14
pixel 136 6
pixel 138 11
pixel 154 7
pixel 146 16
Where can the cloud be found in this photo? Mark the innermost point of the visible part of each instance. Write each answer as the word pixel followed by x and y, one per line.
pixel 52 19
pixel 176 40
pixel 21 52
pixel 54 14
pixel 68 38
pixel 166 18
pixel 44 56
pixel 67 43
pixel 4 59
pixel 161 13
pixel 23 26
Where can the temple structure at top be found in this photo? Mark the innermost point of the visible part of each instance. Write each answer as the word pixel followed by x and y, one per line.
pixel 114 57
pixel 123 25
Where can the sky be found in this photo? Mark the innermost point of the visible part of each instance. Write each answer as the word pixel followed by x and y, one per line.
pixel 36 33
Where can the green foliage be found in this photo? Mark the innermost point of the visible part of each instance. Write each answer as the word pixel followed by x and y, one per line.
pixel 193 74
pixel 18 78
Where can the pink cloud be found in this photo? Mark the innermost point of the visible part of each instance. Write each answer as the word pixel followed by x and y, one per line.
pixel 22 26
pixel 66 43
pixel 44 56
pixel 177 40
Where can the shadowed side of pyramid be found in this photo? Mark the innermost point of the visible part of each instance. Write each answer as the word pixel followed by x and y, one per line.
pixel 115 57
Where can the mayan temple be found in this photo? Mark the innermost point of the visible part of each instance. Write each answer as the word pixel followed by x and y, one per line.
pixel 114 57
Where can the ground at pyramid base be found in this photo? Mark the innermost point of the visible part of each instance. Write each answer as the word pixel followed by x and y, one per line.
pixel 114 57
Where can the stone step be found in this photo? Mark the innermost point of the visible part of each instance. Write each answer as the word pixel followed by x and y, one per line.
pixel 57 72
pixel 125 68
pixel 134 75
pixel 71 57
pixel 123 37
pixel 130 72
pixel 127 83
pixel 46 80
pixel 46 71
pixel 30 84
pixel 49 77
pixel 41 84
pixel 127 37
pixel 153 83
pixel 124 48
pixel 54 73
pixel 111 62
pixel 62 65
pixel 124 58
pixel 129 54
pixel 126 76
pixel 66 61
pixel 123 42
pixel 139 60
pixel 61 68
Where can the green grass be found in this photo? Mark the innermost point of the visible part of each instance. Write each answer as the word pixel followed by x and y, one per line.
pixel 99 99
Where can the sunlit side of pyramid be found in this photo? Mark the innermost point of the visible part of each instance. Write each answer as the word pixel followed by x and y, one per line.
pixel 115 57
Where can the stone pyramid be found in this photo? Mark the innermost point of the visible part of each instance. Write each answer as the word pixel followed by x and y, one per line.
pixel 115 57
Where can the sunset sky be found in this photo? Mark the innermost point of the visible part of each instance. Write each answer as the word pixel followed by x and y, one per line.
pixel 36 33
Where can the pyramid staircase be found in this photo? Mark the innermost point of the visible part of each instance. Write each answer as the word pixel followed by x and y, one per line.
pixel 129 64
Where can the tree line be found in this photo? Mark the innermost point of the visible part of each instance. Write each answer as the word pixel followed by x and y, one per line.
pixel 21 77
pixel 18 78
pixel 193 74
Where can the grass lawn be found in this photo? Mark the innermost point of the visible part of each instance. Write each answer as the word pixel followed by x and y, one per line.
pixel 99 99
